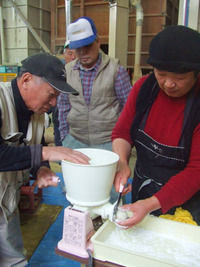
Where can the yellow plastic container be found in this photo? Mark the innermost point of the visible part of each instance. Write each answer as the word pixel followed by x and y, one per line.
pixel 180 232
pixel 7 77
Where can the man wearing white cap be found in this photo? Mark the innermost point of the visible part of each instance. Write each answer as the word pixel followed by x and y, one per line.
pixel 103 86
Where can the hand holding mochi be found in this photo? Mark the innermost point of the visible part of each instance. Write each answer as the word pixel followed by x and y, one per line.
pixel 123 214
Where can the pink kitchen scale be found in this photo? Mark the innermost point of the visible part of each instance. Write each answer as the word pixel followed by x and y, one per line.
pixel 77 231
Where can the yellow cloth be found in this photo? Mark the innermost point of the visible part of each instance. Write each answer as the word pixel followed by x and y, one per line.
pixel 180 215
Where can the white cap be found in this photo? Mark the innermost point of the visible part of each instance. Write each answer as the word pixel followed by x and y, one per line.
pixel 82 32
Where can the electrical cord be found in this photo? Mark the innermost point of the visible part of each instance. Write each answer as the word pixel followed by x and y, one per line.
pixel 90 264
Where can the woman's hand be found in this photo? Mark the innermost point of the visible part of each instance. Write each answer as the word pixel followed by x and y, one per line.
pixel 139 210
pixel 59 153
pixel 123 149
pixel 121 177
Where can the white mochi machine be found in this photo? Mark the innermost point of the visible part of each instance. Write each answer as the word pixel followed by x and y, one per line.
pixel 88 190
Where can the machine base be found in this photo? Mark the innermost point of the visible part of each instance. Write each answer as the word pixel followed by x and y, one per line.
pixel 96 263
pixel 71 256
pixel 80 252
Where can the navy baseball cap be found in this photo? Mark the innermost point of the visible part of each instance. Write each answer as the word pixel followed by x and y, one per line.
pixel 81 32
pixel 51 69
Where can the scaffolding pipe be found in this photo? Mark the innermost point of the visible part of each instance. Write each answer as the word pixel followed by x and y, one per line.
pixel 68 13
pixel 139 22
pixel 2 35
pixel 186 4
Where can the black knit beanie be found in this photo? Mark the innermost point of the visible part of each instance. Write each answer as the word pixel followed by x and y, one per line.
pixel 175 49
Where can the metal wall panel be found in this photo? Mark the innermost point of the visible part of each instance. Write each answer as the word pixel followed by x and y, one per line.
pixel 19 39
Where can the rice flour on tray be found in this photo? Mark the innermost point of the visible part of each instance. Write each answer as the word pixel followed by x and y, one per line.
pixel 160 246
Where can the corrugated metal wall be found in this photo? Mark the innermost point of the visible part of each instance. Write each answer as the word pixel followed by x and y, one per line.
pixel 19 41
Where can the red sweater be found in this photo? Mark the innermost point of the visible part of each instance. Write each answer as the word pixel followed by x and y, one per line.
pixel 164 124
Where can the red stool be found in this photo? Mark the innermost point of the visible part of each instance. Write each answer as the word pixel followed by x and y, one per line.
pixel 30 197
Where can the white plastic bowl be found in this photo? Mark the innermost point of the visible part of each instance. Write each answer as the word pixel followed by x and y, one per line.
pixel 90 185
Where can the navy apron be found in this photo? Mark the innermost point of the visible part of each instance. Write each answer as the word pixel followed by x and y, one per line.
pixel 157 163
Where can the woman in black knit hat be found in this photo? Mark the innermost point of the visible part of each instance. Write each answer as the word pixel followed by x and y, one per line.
pixel 161 119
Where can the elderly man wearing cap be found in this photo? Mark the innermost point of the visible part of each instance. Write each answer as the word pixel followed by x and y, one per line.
pixel 162 120
pixel 23 102
pixel 103 86
pixel 69 54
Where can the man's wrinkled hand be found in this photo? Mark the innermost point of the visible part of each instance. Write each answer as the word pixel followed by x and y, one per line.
pixel 46 177
pixel 59 153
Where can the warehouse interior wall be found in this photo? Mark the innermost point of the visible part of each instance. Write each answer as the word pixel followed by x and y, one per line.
pixel 25 29
pixel 189 14
pixel 47 18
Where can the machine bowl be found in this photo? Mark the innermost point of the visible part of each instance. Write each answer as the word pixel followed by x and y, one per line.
pixel 90 185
